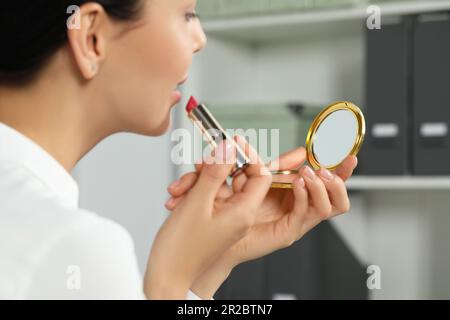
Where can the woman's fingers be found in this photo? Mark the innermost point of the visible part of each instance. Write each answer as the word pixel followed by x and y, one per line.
pixel 317 192
pixel 183 185
pixel 212 177
pixel 329 198
pixel 258 178
pixel 327 195
pixel 297 216
pixel 317 196
pixel 290 160
pixel 301 202
pixel 239 182
pixel 337 192
pixel 172 203
pixel 223 194
pixel 311 205
pixel 288 228
pixel 345 170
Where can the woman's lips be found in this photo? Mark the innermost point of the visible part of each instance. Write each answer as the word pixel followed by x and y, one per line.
pixel 176 97
pixel 176 94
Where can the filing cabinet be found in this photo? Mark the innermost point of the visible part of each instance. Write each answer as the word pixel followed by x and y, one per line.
pixel 431 95
pixel 386 150
pixel 407 97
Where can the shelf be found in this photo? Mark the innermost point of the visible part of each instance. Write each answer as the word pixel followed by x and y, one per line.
pixel 398 183
pixel 281 26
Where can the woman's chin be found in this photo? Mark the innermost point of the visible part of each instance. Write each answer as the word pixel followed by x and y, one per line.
pixel 160 129
pixel 164 128
pixel 157 123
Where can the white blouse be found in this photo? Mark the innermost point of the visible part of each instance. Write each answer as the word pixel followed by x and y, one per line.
pixel 49 247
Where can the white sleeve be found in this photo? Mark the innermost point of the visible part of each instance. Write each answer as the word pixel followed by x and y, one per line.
pixel 96 261
pixel 192 296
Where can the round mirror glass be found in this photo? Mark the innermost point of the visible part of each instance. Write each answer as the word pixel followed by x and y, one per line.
pixel 335 138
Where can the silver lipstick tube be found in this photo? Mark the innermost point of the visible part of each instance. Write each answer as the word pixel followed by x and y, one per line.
pixel 214 134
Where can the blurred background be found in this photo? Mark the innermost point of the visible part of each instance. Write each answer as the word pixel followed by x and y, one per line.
pixel 275 64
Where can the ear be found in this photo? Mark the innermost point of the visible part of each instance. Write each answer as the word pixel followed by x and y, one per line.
pixel 88 38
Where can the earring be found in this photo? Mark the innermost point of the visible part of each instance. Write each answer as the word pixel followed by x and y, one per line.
pixel 93 67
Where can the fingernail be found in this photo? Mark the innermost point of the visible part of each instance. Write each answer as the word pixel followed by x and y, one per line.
pixel 300 182
pixel 309 173
pixel 326 174
pixel 225 152
pixel 175 184
pixel 170 202
pixel 356 161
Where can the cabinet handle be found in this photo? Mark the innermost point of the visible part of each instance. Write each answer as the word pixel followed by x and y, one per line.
pixel 284 296
pixel 433 130
pixel 385 130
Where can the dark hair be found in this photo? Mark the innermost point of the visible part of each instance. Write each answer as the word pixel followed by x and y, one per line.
pixel 32 31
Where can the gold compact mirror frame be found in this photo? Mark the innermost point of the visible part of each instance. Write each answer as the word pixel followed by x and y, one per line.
pixel 354 127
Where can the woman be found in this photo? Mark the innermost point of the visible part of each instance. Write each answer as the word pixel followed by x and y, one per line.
pixel 113 68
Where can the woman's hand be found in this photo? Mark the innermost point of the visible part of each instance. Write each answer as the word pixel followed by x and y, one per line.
pixel 204 225
pixel 283 217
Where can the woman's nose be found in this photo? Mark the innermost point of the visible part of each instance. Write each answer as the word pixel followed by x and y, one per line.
pixel 200 38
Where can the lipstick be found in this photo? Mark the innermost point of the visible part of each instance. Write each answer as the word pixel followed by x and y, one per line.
pixel 214 132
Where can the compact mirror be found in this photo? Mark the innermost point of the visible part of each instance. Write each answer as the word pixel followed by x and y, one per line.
pixel 337 132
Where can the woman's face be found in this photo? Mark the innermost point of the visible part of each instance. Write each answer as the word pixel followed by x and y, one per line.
pixel 144 65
